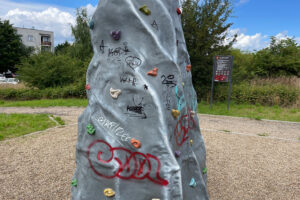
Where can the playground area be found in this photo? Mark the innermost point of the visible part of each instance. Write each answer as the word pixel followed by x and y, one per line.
pixel 246 158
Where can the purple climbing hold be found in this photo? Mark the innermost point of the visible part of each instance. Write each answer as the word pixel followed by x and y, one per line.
pixel 177 154
pixel 116 34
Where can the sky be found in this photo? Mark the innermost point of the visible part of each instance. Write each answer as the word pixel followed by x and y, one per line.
pixel 255 21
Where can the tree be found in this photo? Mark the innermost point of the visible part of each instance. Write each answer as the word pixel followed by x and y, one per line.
pixel 62 48
pixel 281 58
pixel 82 39
pixel 206 32
pixel 11 47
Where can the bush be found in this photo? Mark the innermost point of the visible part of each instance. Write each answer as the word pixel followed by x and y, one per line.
pixel 71 91
pixel 46 70
pixel 268 95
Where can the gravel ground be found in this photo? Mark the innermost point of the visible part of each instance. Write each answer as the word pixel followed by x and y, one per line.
pixel 241 164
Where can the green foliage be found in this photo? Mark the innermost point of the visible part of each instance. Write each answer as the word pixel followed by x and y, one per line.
pixel 11 47
pixel 82 45
pixel 63 48
pixel 205 28
pixel 45 103
pixel 49 70
pixel 281 58
pixel 71 91
pixel 251 111
pixel 14 125
pixel 267 95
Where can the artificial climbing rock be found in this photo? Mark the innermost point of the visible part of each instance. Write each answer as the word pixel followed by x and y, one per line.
pixel 138 149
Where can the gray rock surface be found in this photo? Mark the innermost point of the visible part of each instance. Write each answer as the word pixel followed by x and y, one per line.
pixel 129 106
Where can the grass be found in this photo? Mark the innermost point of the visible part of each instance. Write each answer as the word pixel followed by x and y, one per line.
pixel 15 125
pixel 45 103
pixel 257 112
pixel 263 134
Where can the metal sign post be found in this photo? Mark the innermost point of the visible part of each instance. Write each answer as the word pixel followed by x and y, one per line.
pixel 222 72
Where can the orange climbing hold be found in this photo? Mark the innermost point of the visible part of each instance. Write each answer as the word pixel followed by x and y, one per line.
pixel 188 68
pixel 136 143
pixel 153 72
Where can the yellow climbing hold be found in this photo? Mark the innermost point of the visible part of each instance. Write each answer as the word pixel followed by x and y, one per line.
pixel 191 141
pixel 144 9
pixel 175 113
pixel 182 84
pixel 108 192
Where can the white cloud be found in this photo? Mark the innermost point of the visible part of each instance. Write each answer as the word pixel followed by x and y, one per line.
pixel 42 16
pixel 240 2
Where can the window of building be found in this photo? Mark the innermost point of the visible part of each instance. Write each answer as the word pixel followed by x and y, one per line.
pixel 30 38
pixel 46 39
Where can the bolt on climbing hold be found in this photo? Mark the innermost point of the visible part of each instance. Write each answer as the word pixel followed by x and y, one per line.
pixel 193 183
pixel 116 34
pixel 90 129
pixel 144 9
pixel 88 87
pixel 153 72
pixel 92 25
pixel 188 68
pixel 177 154
pixel 74 182
pixel 175 113
pixel 136 143
pixel 204 171
pixel 115 93
pixel 108 192
pixel 178 11
pixel 191 142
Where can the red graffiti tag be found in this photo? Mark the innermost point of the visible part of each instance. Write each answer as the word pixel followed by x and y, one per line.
pixel 184 124
pixel 110 162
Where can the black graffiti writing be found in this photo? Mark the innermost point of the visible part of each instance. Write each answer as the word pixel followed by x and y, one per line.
pixel 133 62
pixel 119 50
pixel 169 80
pixel 136 109
pixel 102 47
pixel 154 25
pixel 127 78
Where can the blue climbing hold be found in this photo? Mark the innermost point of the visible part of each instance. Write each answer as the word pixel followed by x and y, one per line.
pixel 92 24
pixel 193 183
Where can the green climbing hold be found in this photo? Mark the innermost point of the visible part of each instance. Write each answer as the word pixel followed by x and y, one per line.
pixel 204 171
pixel 90 129
pixel 74 182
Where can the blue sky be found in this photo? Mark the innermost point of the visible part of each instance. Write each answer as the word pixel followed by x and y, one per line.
pixel 255 21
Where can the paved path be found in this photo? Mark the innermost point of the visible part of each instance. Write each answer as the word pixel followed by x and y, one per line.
pixel 241 164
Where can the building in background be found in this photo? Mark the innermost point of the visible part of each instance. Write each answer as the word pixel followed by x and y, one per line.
pixel 40 40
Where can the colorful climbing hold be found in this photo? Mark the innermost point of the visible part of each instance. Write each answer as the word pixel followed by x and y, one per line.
pixel 204 171
pixel 153 72
pixel 88 87
pixel 90 129
pixel 175 113
pixel 188 68
pixel 116 34
pixel 191 142
pixel 92 24
pixel 136 143
pixel 144 9
pixel 193 183
pixel 178 11
pixel 182 84
pixel 108 192
pixel 177 154
pixel 115 93
pixel 74 182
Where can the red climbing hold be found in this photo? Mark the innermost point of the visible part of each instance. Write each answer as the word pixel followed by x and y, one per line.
pixel 88 87
pixel 178 11
pixel 188 68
